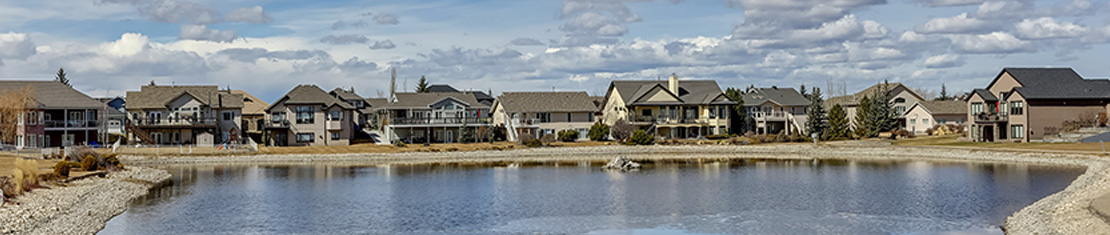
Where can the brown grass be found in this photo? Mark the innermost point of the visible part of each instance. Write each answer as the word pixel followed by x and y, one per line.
pixel 951 141
pixel 7 164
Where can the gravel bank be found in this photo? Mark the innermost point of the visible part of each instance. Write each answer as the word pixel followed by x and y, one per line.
pixel 1066 212
pixel 81 208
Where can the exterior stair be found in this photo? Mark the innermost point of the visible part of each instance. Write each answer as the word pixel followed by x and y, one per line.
pixel 143 136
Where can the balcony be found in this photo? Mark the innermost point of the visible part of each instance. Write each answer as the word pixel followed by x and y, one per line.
pixel 769 115
pixel 277 124
pixel 991 118
pixel 333 125
pixel 71 124
pixel 440 121
pixel 183 122
pixel 666 120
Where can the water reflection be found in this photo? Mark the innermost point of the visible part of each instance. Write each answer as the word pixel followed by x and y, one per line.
pixel 737 196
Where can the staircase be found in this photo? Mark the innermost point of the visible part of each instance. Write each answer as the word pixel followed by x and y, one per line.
pixel 510 128
pixel 143 136
pixel 799 123
pixel 377 136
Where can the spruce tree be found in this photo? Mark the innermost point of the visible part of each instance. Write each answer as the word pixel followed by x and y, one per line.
pixel 864 128
pixel 422 85
pixel 883 113
pixel 839 128
pixel 738 117
pixel 817 121
pixel 943 93
pixel 61 77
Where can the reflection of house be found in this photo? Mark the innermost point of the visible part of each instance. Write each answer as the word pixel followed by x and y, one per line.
pixel 309 116
pixel 673 108
pixel 59 116
pixel 436 117
pixel 1027 104
pixel 254 116
pixel 926 114
pixel 901 97
pixel 776 110
pixel 201 115
pixel 541 113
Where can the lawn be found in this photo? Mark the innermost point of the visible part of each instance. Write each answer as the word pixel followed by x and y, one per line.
pixel 7 164
pixel 951 141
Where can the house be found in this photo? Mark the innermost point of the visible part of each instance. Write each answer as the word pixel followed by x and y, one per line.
pixel 59 115
pixel 776 110
pixel 435 117
pixel 543 113
pixel 482 97
pixel 926 114
pixel 1028 104
pixel 184 115
pixel 319 119
pixel 363 111
pixel 901 97
pixel 254 116
pixel 671 109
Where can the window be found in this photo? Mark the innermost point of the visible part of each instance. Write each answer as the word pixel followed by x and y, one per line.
pixel 305 137
pixel 568 117
pixel 899 100
pixel 90 115
pixel 723 113
pixel 1002 108
pixel 305 115
pixel 925 121
pixel 591 117
pixel 1017 108
pixel 976 108
pixel 645 112
pixel 691 114
pixel 277 116
pixel 335 136
pixel 899 109
pixel 449 106
pixel 228 116
pixel 335 115
pixel 1017 131
pixel 544 117
pixel 913 121
pixel 941 121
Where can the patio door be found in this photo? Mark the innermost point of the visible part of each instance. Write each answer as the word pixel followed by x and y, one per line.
pixel 68 139
pixel 449 136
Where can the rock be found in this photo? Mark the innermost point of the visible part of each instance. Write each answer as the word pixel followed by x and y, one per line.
pixel 621 163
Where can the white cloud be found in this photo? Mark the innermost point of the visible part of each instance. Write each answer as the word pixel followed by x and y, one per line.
pixel 202 33
pixel 944 61
pixel 170 11
pixel 526 42
pixel 948 3
pixel 128 44
pixel 16 46
pixel 958 24
pixel 996 42
pixel 1046 27
pixel 344 39
pixel 386 19
pixel 381 45
pixel 249 15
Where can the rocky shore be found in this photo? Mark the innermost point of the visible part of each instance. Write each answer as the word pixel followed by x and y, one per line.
pixel 83 207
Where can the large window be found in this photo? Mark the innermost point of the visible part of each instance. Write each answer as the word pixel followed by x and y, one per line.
pixel 645 112
pixel 544 117
pixel 305 137
pixel 976 108
pixel 900 109
pixel 1017 131
pixel 335 135
pixel 1002 109
pixel 335 115
pixel 227 116
pixel 277 116
pixel 712 112
pixel 1017 108
pixel 305 115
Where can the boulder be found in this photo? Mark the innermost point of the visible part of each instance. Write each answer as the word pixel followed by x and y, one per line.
pixel 621 163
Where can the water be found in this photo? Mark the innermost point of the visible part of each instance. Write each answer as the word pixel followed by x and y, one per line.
pixel 750 196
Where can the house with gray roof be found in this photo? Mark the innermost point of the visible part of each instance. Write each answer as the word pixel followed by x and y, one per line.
pixel 776 110
pixel 310 116
pixel 928 114
pixel 671 109
pixel 58 115
pixel 1029 104
pixel 542 113
pixel 184 115
pixel 435 117
pixel 901 97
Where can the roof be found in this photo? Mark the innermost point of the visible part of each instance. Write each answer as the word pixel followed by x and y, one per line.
pixel 598 101
pixel 157 97
pixel 985 94
pixel 1056 83
pixel 547 102
pixel 853 99
pixel 52 94
pixel 411 100
pixel 690 91
pixel 346 94
pixel 442 88
pixel 781 96
pixel 309 94
pixel 943 107
pixel 252 104
pixel 376 103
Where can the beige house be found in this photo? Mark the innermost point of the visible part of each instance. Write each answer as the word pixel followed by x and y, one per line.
pixel 671 109
pixel 928 114
pixel 1027 104
pixel 901 97
pixel 200 115
pixel 309 116
pixel 542 113
pixel 435 117
pixel 776 110
pixel 254 115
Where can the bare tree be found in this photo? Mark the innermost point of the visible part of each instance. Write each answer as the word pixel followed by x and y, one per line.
pixel 13 105
pixel 622 130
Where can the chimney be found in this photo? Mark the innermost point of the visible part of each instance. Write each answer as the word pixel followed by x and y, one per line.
pixel 673 84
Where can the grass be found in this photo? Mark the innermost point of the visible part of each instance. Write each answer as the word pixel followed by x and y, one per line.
pixel 7 164
pixel 951 141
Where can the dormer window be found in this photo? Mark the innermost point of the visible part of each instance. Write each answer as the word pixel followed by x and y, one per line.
pixel 899 100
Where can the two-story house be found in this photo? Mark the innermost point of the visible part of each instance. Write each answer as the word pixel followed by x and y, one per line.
pixel 184 115
pixel 58 116
pixel 435 117
pixel 1028 104
pixel 542 113
pixel 254 116
pixel 901 97
pixel 310 116
pixel 364 113
pixel 113 116
pixel 671 109
pixel 776 110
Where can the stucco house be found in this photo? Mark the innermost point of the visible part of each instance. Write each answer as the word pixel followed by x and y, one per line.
pixel 254 116
pixel 309 116
pixel 671 109
pixel 200 115
pixel 776 110
pixel 901 97
pixel 1027 104
pixel 927 114
pixel 435 117
pixel 542 113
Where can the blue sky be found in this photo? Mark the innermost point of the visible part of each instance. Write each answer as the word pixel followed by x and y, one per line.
pixel 267 47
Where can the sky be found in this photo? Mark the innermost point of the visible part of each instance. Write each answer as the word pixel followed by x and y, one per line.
pixel 267 47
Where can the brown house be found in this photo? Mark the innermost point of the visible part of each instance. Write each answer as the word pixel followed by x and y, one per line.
pixel 1027 104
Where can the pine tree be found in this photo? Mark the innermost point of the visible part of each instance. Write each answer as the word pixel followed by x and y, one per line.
pixel 422 85
pixel 737 117
pixel 61 77
pixel 817 121
pixel 943 93
pixel 883 113
pixel 803 91
pixel 864 128
pixel 839 128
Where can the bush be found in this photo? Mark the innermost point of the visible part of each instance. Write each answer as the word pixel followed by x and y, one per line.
pixel 526 138
pixel 8 185
pixel 599 132
pixel 622 130
pixel 716 137
pixel 641 137
pixel 89 164
pixel 568 135
pixel 62 168
pixel 399 144
pixel 111 161
pixel 533 143
pixel 547 139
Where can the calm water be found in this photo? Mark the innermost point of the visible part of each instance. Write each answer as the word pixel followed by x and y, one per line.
pixel 764 197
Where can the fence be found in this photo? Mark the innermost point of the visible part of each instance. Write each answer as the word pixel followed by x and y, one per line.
pixel 185 149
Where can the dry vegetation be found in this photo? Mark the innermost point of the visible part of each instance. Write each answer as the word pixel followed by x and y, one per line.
pixel 951 141
pixel 13 104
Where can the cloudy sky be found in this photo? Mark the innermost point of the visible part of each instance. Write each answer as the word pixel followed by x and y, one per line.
pixel 266 47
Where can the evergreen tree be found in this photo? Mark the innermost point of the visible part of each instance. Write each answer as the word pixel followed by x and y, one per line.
pixel 61 77
pixel 738 117
pixel 882 111
pixel 817 121
pixel 864 128
pixel 943 93
pixel 839 128
pixel 422 85
pixel 802 90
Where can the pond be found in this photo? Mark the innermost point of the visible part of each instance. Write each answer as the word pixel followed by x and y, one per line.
pixel 731 197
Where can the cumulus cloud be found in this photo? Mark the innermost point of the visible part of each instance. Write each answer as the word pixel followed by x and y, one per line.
pixel 770 18
pixel 16 46
pixel 1046 27
pixel 174 11
pixel 590 22
pixel 382 45
pixel 948 3
pixel 249 15
pixel 959 24
pixel 386 19
pixel 526 42
pixel 944 61
pixel 203 33
pixel 252 55
pixel 996 42
pixel 344 39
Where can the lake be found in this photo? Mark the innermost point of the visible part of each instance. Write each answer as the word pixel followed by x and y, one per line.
pixel 732 197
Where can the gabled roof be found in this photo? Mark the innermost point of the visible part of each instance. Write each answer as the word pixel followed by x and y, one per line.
pixel 309 94
pixel 252 104
pixel 942 107
pixel 547 102
pixel 1055 83
pixel 51 94
pixel 442 88
pixel 690 91
pixel 780 96
pixel 853 99
pixel 156 97
pixel 983 93
pixel 345 94
pixel 410 100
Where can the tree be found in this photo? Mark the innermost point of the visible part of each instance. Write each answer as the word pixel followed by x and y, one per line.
pixel 641 137
pixel 839 128
pixel 738 118
pixel 802 90
pixel 817 121
pixel 622 130
pixel 882 111
pixel 422 85
pixel 61 77
pixel 864 128
pixel 599 132
pixel 943 93
pixel 13 106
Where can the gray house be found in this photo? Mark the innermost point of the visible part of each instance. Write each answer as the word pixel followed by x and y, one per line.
pixel 310 116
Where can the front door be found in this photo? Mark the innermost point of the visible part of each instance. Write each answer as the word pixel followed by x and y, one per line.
pixel 281 139
pixel 988 133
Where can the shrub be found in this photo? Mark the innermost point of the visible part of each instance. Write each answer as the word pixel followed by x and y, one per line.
pixel 111 161
pixel 547 139
pixel 622 130
pixel 599 132
pixel 533 143
pixel 716 137
pixel 62 168
pixel 8 185
pixel 641 137
pixel 399 144
pixel 452 149
pixel 568 135
pixel 89 164
pixel 526 138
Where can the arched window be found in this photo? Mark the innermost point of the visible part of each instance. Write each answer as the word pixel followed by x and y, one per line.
pixel 899 100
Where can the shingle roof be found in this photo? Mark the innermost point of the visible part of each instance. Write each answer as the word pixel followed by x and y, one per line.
pixel 377 103
pixel 346 94
pixel 853 99
pixel 442 88
pixel 252 104
pixel 1056 83
pixel 309 94
pixel 985 94
pixel 944 107
pixel 425 100
pixel 547 102
pixel 51 94
pixel 690 91
pixel 781 96
pixel 157 97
